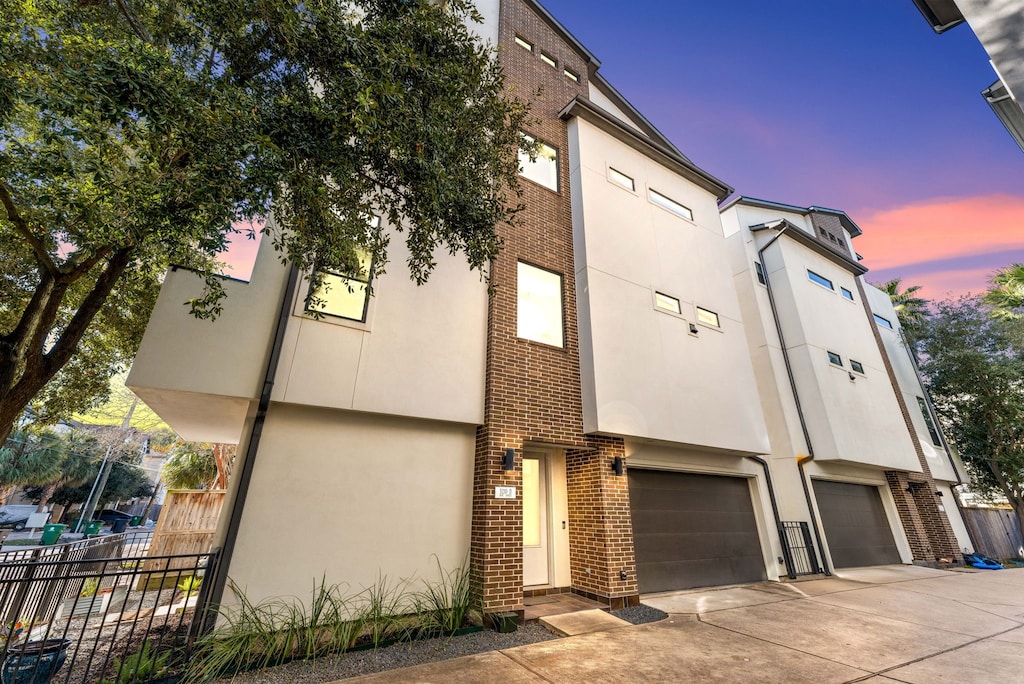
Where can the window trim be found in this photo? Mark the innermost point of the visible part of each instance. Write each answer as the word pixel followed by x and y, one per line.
pixel 857 367
pixel 561 303
pixel 835 359
pixel 847 294
pixel 882 321
pixel 817 279
pixel 668 204
pixel 570 74
pixel 678 311
pixel 717 325
pixel 548 59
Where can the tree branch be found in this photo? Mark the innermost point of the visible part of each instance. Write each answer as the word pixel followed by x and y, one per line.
pixel 137 27
pixel 21 226
pixel 81 268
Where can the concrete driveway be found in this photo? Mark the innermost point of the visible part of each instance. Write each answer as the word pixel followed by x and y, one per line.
pixel 879 625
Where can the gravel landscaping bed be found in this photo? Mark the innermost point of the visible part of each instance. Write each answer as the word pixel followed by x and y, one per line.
pixel 639 615
pixel 400 655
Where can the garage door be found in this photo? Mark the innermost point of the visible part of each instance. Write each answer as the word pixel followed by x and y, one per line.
pixel 855 523
pixel 693 530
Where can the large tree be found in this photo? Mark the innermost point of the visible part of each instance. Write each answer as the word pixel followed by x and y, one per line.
pixel 29 457
pixel 910 308
pixel 138 134
pixel 973 363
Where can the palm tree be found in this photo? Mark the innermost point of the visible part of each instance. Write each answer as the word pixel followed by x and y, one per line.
pixel 911 309
pixel 191 465
pixel 29 458
pixel 1006 296
pixel 82 452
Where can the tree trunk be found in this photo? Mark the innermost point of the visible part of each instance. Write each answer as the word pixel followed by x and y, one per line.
pixel 44 498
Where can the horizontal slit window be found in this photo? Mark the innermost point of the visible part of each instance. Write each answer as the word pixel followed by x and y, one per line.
pixel 857 366
pixel 884 322
pixel 621 179
pixel 663 301
pixel 820 279
pixel 835 359
pixel 707 317
pixel 670 204
pixel 523 43
pixel 846 293
pixel 548 59
pixel 571 75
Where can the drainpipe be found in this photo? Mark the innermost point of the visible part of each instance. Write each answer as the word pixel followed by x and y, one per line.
pixel 786 555
pixel 245 474
pixel 796 398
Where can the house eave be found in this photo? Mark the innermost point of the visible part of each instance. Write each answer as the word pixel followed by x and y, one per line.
pixel 800 235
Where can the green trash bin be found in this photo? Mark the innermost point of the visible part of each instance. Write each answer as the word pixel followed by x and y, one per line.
pixel 135 521
pixel 93 528
pixel 51 533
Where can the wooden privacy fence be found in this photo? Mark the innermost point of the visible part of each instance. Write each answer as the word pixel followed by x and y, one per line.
pixel 187 525
pixel 995 531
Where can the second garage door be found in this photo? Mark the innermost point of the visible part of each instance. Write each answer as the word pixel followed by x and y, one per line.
pixel 855 523
pixel 693 530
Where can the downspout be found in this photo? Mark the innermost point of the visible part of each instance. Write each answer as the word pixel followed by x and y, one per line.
pixel 796 399
pixel 245 474
pixel 787 557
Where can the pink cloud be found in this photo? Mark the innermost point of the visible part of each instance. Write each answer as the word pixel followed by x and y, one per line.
pixel 941 229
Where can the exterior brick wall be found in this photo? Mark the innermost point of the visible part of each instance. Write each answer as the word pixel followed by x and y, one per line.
pixel 533 390
pixel 927 528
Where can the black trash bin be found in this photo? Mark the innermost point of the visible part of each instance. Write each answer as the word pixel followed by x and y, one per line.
pixel 119 526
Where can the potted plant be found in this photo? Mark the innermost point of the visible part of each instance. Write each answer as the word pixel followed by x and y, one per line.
pixel 34 662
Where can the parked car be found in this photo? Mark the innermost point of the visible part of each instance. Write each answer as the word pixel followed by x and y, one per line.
pixel 110 515
pixel 15 516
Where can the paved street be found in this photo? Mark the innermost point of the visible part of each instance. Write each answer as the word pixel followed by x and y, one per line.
pixel 887 624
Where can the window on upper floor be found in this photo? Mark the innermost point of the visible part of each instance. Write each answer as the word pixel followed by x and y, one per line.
pixel 539 305
pixel 670 304
pixel 344 296
pixel 670 204
pixel 759 269
pixel 836 359
pixel 857 366
pixel 846 293
pixel 620 178
pixel 933 431
pixel 571 75
pixel 542 170
pixel 820 279
pixel 548 59
pixel 884 322
pixel 707 317
pixel 523 43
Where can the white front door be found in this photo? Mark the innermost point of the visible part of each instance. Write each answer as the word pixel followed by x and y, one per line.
pixel 535 520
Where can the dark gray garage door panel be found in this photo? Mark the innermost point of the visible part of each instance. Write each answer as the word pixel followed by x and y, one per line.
pixel 855 523
pixel 693 530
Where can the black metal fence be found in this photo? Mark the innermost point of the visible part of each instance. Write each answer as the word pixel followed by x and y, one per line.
pixel 123 619
pixel 126 544
pixel 797 538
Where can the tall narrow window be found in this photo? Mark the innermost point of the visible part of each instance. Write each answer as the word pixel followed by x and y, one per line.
pixel 759 269
pixel 539 305
pixel 820 279
pixel 933 431
pixel 543 169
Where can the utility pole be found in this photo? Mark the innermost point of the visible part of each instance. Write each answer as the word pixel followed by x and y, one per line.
pixel 105 467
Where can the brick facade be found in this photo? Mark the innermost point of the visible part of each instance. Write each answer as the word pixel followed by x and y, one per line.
pixel 927 528
pixel 532 389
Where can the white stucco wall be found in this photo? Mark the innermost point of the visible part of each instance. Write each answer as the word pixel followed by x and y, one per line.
pixel 956 521
pixel 644 374
pixel 352 497
pixel 595 94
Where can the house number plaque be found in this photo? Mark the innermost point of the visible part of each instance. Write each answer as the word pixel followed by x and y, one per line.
pixel 504 492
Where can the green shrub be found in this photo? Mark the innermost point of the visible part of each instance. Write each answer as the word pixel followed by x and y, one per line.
pixel 140 666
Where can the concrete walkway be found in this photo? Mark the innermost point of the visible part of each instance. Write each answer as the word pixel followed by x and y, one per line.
pixel 878 625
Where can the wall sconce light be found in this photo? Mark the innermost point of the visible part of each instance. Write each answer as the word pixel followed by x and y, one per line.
pixel 914 486
pixel 693 329
pixel 852 377
pixel 938 493
pixel 509 461
pixel 617 465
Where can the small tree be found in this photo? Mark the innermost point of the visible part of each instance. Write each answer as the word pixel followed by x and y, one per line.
pixel 974 367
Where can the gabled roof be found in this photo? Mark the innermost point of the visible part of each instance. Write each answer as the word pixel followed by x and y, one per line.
pixel 800 235
pixel 852 228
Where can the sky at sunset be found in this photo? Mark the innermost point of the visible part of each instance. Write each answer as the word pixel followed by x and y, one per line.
pixel 856 106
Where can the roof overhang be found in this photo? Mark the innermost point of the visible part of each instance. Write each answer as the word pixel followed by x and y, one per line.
pixel 1007 109
pixel 662 154
pixel 800 235
pixel 941 14
pixel 852 228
